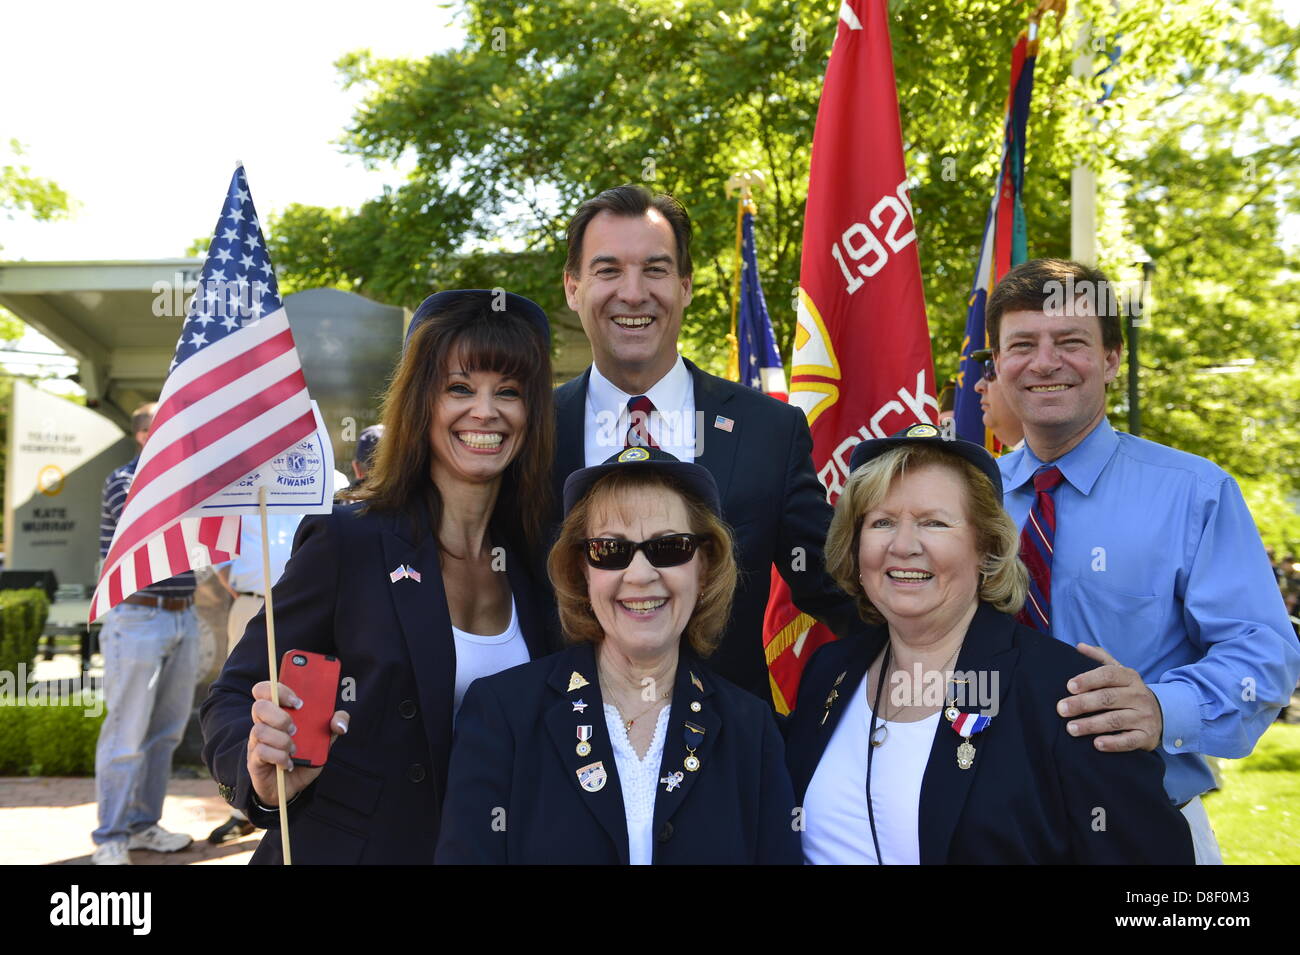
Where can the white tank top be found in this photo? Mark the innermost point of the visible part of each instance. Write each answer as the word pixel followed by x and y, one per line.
pixel 478 655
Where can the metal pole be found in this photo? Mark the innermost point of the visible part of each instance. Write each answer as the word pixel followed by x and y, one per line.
pixel 1134 408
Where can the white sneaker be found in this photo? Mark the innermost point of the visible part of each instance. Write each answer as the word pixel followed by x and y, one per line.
pixel 111 853
pixel 158 839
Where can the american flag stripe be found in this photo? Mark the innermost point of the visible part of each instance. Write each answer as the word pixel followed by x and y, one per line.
pixel 235 398
pixel 264 398
pixel 222 465
pixel 240 364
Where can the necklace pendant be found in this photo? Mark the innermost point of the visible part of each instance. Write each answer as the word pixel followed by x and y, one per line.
pixel 879 737
pixel 965 754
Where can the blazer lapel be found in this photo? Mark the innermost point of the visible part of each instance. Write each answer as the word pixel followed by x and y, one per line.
pixel 422 611
pixel 570 431
pixel 830 703
pixel 601 792
pixel 945 786
pixel 716 446
pixel 692 732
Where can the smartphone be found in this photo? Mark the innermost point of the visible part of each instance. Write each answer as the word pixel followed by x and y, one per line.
pixel 314 677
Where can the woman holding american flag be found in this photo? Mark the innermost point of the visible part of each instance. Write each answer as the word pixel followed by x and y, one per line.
pixel 425 581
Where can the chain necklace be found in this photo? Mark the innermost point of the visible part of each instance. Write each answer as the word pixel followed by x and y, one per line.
pixel 881 732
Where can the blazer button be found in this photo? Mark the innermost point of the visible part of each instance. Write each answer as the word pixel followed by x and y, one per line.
pixel 407 709
pixel 415 772
pixel 665 832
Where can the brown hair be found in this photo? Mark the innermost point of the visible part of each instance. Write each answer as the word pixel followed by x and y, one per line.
pixel 568 559
pixel 504 342
pixel 1003 578
pixel 632 201
pixel 1059 284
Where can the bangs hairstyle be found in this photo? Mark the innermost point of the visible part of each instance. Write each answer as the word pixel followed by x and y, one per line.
pixel 568 560
pixel 477 338
pixel 1003 578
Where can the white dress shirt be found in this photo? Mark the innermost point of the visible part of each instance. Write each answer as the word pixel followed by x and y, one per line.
pixel 672 424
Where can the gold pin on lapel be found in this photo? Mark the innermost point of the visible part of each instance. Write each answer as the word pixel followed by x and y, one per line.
pixel 577 681
pixel 840 679
pixel 696 680
pixel 830 701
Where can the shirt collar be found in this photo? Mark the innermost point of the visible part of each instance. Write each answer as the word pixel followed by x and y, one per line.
pixel 1081 465
pixel 669 392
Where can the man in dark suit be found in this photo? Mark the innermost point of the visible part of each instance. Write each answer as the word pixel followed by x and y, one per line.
pixel 628 276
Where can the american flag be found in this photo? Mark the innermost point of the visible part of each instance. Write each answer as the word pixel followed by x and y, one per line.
pixel 235 397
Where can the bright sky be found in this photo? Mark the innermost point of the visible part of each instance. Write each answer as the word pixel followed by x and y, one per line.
pixel 139 110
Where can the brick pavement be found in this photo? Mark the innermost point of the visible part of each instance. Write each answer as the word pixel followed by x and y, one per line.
pixel 48 821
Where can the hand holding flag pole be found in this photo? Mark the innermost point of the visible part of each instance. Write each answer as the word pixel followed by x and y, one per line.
pixel 271 668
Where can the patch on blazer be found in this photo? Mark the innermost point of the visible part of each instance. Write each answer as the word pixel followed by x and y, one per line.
pixel 592 777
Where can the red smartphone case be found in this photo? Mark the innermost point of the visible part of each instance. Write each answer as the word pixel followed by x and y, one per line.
pixel 314 677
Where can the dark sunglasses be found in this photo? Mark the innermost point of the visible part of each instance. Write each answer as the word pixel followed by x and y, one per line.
pixel 612 553
pixel 990 370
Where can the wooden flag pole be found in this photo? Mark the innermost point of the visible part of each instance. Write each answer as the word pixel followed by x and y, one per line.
pixel 271 668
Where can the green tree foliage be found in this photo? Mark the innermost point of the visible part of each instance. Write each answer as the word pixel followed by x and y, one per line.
pixel 546 103
pixel 21 192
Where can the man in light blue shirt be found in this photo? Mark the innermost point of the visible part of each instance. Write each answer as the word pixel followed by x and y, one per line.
pixel 1157 569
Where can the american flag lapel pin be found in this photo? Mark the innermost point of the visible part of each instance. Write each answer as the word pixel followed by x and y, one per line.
pixel 723 424
pixel 397 574
pixel 412 573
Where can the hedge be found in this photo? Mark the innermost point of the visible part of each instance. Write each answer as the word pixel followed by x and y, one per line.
pixel 22 618
pixel 50 740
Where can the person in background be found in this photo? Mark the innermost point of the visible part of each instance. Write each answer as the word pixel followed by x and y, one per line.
pixel 367 444
pixel 998 416
pixel 947 395
pixel 150 643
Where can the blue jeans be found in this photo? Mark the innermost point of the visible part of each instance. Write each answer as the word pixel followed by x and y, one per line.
pixel 151 662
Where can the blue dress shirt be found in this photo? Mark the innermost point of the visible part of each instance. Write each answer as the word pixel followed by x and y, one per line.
pixel 1158 561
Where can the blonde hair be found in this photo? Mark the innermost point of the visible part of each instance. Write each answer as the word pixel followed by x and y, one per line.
pixel 1003 578
pixel 568 559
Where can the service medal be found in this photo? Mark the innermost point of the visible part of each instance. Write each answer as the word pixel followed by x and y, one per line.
pixel 584 747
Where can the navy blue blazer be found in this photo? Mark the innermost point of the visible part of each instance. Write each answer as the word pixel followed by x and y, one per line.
pixel 771 498
pixel 379 797
pixel 514 795
pixel 1035 794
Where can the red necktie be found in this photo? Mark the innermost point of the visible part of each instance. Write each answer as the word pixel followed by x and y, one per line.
pixel 638 429
pixel 1036 541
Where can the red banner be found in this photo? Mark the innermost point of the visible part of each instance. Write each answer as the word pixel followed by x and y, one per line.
pixel 861 366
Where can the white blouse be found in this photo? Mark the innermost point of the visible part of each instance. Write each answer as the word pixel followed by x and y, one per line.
pixel 478 655
pixel 837 830
pixel 639 778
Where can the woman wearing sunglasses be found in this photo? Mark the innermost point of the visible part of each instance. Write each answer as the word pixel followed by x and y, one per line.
pixel 624 748
pixel 417 588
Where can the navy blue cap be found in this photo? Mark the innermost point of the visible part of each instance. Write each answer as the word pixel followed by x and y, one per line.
pixel 693 477
pixel 366 444
pixel 929 434
pixel 441 301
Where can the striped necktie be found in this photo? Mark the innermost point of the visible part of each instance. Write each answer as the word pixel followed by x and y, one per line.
pixel 1037 538
pixel 638 429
